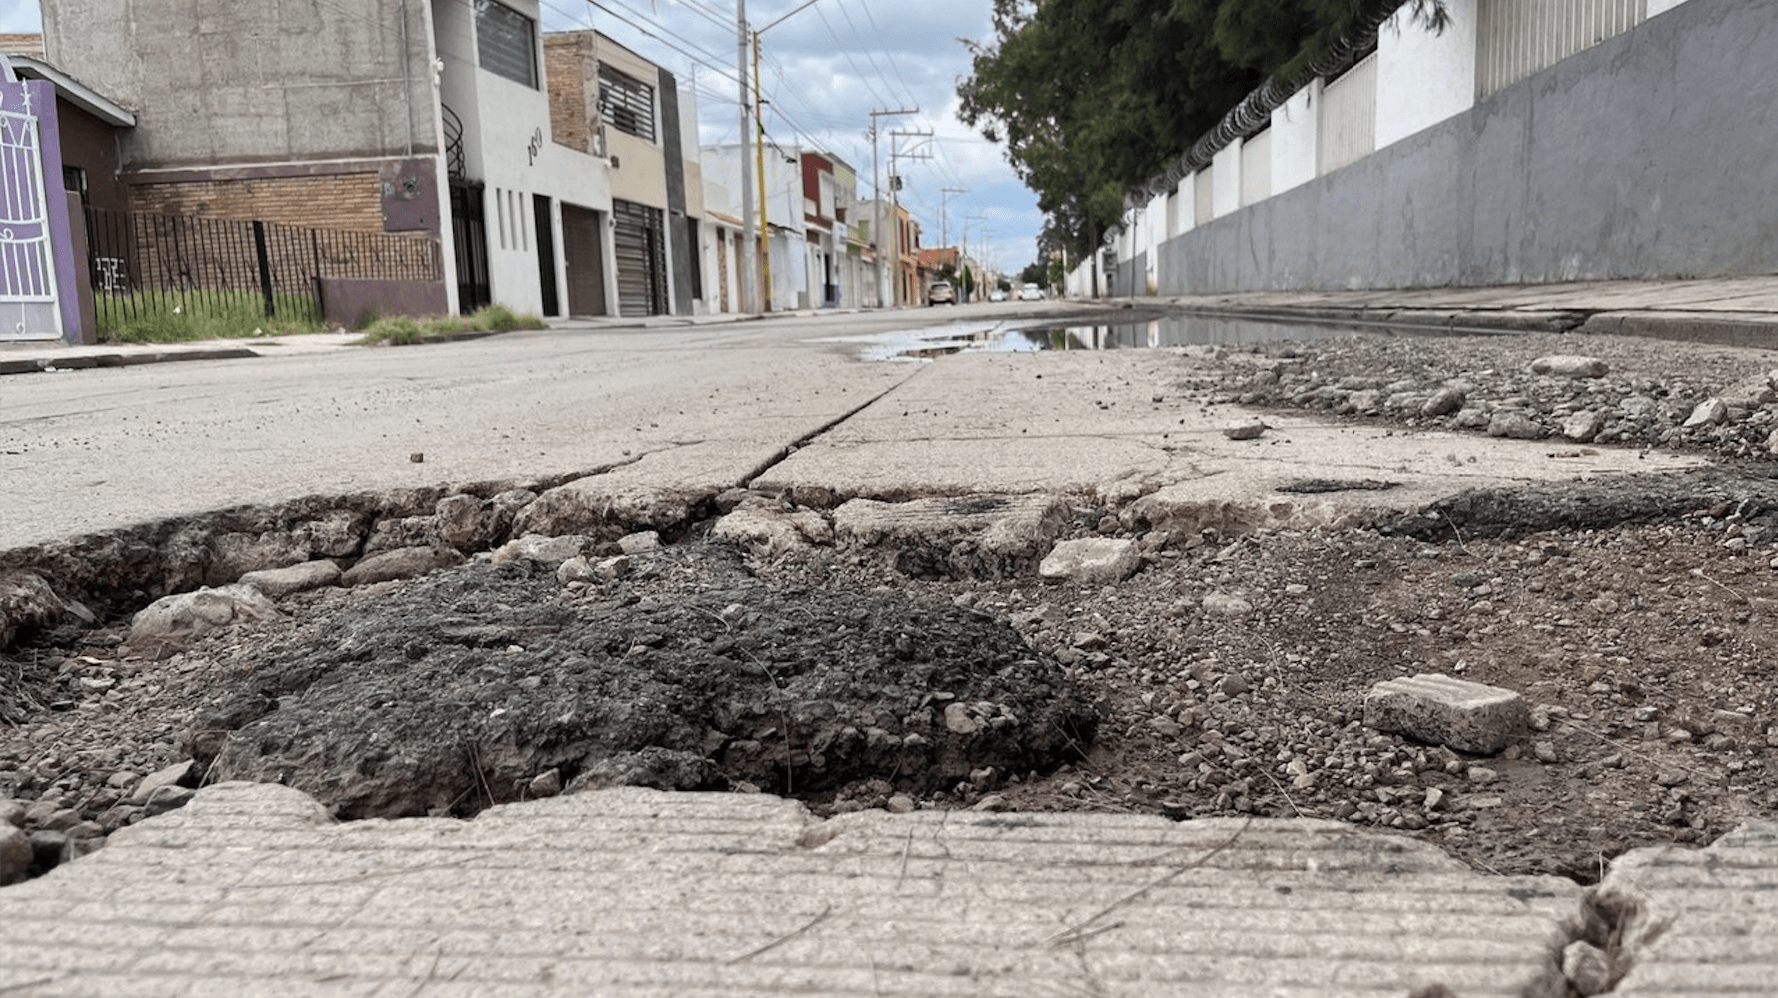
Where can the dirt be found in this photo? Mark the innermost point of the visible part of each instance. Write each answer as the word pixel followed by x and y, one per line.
pixel 1226 677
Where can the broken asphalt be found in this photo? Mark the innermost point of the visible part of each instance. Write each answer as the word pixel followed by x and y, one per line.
pixel 255 890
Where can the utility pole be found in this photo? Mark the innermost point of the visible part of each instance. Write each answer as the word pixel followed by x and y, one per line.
pixel 744 252
pixel 895 197
pixel 765 208
pixel 963 252
pixel 944 232
pixel 765 225
pixel 876 185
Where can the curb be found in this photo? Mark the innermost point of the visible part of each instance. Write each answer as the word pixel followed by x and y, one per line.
pixel 49 365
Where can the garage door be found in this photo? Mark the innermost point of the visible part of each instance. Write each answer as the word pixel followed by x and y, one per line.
pixel 641 259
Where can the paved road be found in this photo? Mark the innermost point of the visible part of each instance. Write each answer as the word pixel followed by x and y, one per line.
pixel 88 450
pixel 699 408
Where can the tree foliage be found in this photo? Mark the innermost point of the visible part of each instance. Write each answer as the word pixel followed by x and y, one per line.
pixel 1094 96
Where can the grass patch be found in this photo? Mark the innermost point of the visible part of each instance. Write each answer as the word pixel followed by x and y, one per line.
pixel 170 317
pixel 403 331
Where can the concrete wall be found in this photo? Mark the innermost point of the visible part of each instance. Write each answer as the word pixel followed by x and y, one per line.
pixel 269 80
pixel 1649 155
pixel 1295 138
pixel 1424 78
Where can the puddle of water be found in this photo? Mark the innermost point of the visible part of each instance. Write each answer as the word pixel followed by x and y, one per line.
pixel 916 345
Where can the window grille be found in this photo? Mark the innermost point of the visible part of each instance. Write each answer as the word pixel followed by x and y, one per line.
pixel 506 41
pixel 626 103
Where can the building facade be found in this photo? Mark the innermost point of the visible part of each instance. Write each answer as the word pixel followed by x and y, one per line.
pixel 551 174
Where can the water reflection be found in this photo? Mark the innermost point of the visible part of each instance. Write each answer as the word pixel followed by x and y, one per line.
pixel 1162 331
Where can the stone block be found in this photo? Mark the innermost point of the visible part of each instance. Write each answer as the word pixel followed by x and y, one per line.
pixel 1469 717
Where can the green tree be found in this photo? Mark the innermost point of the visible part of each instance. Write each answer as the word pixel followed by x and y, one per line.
pixel 1092 97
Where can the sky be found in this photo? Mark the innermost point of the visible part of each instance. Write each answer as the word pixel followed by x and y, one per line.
pixel 825 68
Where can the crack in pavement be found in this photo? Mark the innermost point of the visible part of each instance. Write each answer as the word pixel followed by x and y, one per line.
pixel 799 443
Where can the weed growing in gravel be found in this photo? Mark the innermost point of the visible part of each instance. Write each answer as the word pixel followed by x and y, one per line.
pixel 174 317
pixel 402 331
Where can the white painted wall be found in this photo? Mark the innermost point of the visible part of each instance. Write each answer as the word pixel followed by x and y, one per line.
pixel 1423 78
pixel 502 121
pixel 1295 139
pixel 1226 172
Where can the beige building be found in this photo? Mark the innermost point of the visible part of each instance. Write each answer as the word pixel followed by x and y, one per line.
pixel 613 103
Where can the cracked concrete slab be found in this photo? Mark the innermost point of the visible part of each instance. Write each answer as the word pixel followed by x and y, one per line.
pixel 105 449
pixel 252 890
pixel 1115 423
pixel 1701 922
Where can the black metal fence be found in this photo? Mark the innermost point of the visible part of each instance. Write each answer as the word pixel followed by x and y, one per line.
pixel 144 265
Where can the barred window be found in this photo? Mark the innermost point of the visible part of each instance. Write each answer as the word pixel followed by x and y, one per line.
pixel 506 41
pixel 626 103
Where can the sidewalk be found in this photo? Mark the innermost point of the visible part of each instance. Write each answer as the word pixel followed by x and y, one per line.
pixel 253 890
pixel 1730 311
pixel 51 356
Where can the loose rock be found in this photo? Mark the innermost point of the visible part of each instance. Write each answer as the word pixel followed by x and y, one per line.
pixel 1570 366
pixel 401 563
pixel 172 623
pixel 1092 559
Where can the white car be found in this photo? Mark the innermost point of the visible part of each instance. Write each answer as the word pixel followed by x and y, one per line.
pixel 997 295
pixel 1030 292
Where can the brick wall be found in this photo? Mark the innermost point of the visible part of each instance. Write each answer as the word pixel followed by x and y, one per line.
pixel 568 68
pixel 22 44
pixel 349 201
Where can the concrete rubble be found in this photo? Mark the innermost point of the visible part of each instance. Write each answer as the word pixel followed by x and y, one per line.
pixel 1469 717
pixel 251 889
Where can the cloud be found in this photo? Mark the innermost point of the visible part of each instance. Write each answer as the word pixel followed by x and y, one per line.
pixel 825 69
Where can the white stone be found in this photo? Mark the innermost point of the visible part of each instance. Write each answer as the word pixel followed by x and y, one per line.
pixel 276 582
pixel 169 776
pixel 172 623
pixel 546 550
pixel 1709 412
pixel 1583 426
pixel 640 542
pixel 1246 429
pixel 1225 605
pixel 1092 559
pixel 1570 366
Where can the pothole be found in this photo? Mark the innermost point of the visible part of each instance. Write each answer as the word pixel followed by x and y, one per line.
pixel 494 683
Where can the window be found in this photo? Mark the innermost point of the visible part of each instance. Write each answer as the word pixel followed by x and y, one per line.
pixel 507 42
pixel 74 180
pixel 626 103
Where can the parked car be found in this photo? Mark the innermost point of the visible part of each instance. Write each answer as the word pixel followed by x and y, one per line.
pixel 1030 292
pixel 997 295
pixel 941 293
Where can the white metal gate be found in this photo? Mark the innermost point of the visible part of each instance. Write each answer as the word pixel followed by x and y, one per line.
pixel 1516 38
pixel 29 303
pixel 1349 117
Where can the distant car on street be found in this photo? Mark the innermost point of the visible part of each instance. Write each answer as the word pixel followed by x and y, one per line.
pixel 941 293
pixel 1030 292
pixel 997 295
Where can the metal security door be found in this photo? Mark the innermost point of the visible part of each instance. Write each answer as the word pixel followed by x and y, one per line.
pixel 29 304
pixel 584 260
pixel 469 239
pixel 641 259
